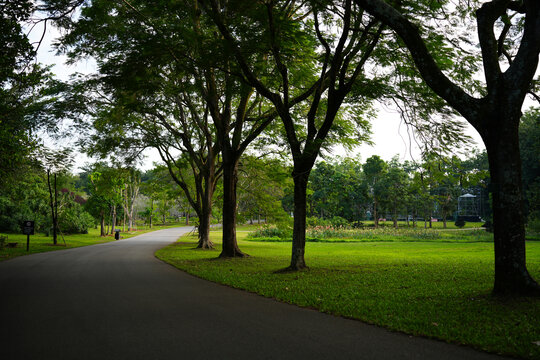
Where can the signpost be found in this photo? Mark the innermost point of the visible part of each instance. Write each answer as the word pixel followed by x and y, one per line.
pixel 28 229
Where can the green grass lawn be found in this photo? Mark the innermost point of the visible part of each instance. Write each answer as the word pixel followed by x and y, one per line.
pixel 433 289
pixel 41 243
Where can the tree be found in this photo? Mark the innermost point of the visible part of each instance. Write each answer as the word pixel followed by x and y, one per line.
pixel 339 189
pixel 106 187
pixel 325 203
pixel 27 95
pixel 56 163
pixel 25 199
pixel 144 95
pixel 191 82
pixel 477 169
pixel 374 169
pixel 391 189
pixel 446 180
pixel 130 193
pixel 238 115
pixel 529 145
pixel 261 186
pixel 446 194
pixel 156 185
pixel 495 114
pixel 307 103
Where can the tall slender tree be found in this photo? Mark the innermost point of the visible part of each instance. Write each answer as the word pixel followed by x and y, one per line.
pixel 56 163
pixel 374 170
pixel 306 88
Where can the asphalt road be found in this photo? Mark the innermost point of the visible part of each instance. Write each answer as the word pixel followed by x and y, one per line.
pixel 117 301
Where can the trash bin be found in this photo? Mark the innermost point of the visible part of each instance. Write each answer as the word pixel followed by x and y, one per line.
pixel 117 234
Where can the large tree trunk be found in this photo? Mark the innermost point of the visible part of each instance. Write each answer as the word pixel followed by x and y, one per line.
pixel 511 275
pixel 113 220
pixel 102 223
pixel 299 228
pixel 205 214
pixel 151 212
pixel 54 206
pixel 230 179
pixel 130 217
pixel 55 218
pixel 204 230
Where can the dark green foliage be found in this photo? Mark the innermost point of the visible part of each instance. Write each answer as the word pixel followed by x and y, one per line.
pixel 75 220
pixel 339 189
pixel 460 223
pixel 313 221
pixel 27 93
pixel 346 189
pixel 529 146
pixel 338 221
pixel 24 199
pixel 15 47
pixel 272 231
pixel 262 186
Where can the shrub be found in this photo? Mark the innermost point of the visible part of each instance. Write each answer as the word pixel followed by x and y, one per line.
pixel 315 221
pixel 325 232
pixel 358 225
pixel 460 223
pixel 74 220
pixel 338 221
pixel 271 231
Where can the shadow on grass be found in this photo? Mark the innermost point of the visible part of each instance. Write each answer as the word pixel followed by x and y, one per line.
pixel 291 270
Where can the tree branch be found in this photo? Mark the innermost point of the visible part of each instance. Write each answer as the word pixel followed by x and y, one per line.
pixel 434 77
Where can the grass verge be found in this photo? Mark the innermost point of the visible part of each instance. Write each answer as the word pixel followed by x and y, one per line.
pixel 434 289
pixel 41 243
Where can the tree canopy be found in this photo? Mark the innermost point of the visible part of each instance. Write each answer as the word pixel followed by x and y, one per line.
pixel 200 81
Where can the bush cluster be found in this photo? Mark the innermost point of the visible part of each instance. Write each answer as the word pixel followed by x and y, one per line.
pixel 460 223
pixel 330 233
pixel 74 220
pixel 272 231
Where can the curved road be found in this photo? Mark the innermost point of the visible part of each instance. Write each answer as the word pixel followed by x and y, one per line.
pixel 117 301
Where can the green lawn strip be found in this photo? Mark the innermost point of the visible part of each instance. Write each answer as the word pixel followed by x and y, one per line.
pixel 433 289
pixel 41 243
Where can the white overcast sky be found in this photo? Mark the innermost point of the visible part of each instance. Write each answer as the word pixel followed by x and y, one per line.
pixel 390 136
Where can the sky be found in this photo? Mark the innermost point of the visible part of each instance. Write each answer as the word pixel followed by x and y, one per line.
pixel 390 135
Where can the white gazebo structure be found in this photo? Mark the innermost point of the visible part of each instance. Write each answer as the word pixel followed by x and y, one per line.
pixel 467 205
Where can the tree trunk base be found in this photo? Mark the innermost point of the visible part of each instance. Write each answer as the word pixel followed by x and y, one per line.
pixel 205 245
pixel 236 253
pixel 521 284
pixel 292 268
